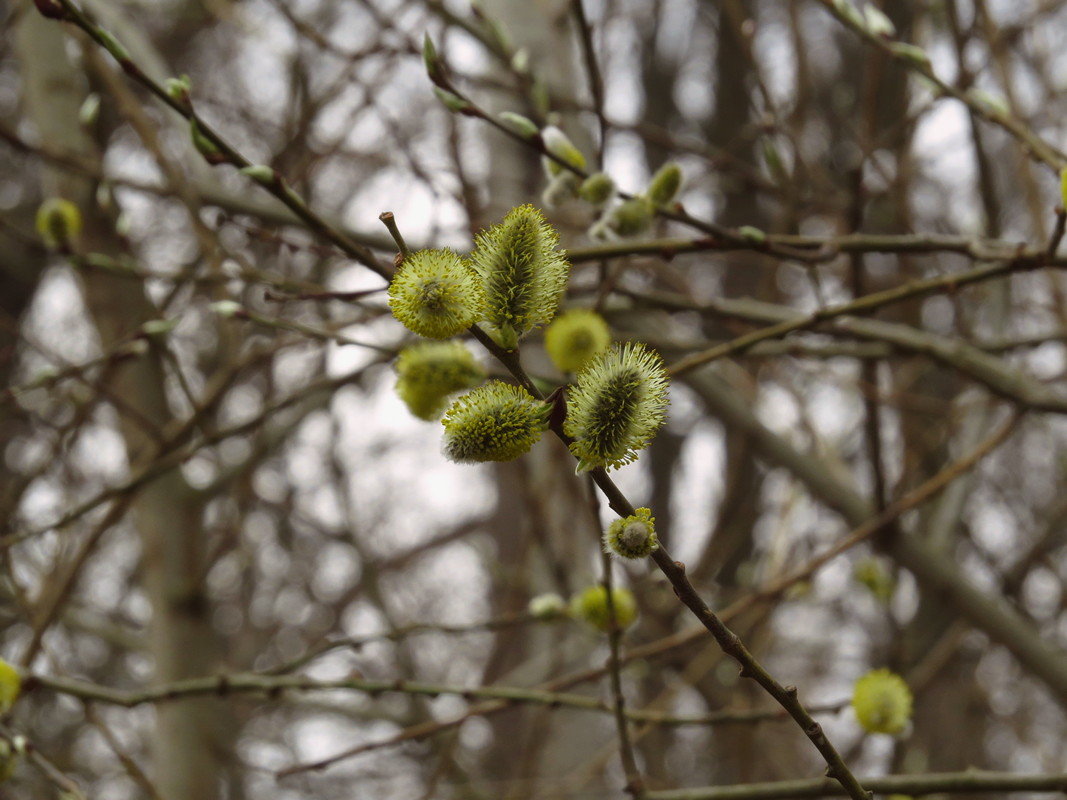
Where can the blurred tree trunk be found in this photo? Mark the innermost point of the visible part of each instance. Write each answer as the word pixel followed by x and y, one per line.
pixel 190 737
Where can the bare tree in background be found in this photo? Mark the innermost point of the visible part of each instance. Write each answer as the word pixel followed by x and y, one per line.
pixel 234 565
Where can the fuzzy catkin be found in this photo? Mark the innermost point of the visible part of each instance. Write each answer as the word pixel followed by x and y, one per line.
pixel 523 274
pixel 495 422
pixel 617 404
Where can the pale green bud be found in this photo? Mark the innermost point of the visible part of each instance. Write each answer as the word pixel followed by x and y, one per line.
pixel 452 101
pixel 89 111
pixel 178 88
pixel 547 606
pixel 631 217
pixel 597 189
pixel 752 234
pixel 523 126
pixel 557 143
pixel 159 327
pixel 665 184
pixel 877 23
pixel 205 146
pixel 909 52
pixel 261 173
pixel 226 308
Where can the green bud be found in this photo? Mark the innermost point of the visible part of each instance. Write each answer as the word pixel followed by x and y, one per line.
pixel 616 406
pixel 633 536
pixel 178 88
pixel 597 189
pixel 89 111
pixel 523 126
pixel 435 294
pixel 226 308
pixel 591 606
pixel 429 372
pixel 909 52
pixel 159 327
pixel 495 422
pixel 522 271
pixel 557 143
pixel 752 234
pixel 575 337
pixel 773 159
pixel 849 12
pixel 207 148
pixel 520 62
pixel 58 222
pixel 877 23
pixel 665 184
pixel 1063 187
pixel 261 173
pixel 453 102
pixel 432 63
pixel 631 217
pixel 547 606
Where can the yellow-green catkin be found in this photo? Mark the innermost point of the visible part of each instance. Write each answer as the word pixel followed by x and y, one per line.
pixel 10 686
pixel 429 372
pixel 523 274
pixel 58 222
pixel 435 294
pixel 665 184
pixel 882 702
pixel 576 336
pixel 1063 188
pixel 633 536
pixel 616 406
pixel 591 606
pixel 495 422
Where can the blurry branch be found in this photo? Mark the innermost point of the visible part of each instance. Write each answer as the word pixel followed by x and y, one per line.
pixel 275 685
pixel 972 781
pixel 936 572
pixel 226 153
pixel 635 783
pixel 399 633
pixel 914 59
pixel 992 372
pixel 173 454
pixel 829 247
